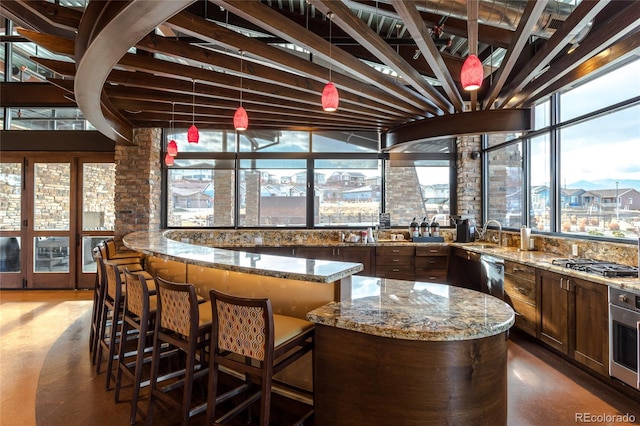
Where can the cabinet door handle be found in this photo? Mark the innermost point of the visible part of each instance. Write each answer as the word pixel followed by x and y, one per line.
pixel 433 251
pixel 396 250
pixel 395 260
pixel 562 283
pixel 396 270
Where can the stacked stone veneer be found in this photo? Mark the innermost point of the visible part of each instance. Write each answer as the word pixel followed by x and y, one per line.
pixel 403 194
pixel 469 177
pixel 11 190
pixel 138 183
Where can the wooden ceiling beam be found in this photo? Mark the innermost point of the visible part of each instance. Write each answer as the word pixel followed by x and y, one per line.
pixel 580 17
pixel 252 72
pixel 420 33
pixel 612 54
pixel 99 46
pixel 532 12
pixel 369 39
pixel 626 21
pixel 360 79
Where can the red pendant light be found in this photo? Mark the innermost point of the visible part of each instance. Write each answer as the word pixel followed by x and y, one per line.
pixel 472 73
pixel 172 146
pixel 193 136
pixel 168 160
pixel 330 96
pixel 240 118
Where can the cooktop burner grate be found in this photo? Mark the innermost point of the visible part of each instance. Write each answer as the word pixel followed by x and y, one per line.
pixel 599 267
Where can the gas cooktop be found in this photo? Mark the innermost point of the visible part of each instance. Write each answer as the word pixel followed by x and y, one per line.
pixel 599 267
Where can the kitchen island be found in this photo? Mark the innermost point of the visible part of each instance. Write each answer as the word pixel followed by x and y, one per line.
pixel 411 353
pixel 386 351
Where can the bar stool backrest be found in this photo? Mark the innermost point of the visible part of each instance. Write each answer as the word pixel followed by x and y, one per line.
pixel 114 285
pixel 177 307
pixel 137 293
pixel 244 326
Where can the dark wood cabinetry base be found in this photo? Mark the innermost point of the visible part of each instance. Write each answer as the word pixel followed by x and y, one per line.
pixel 369 380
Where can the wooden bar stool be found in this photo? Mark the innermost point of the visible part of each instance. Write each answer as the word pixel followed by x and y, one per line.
pixel 185 324
pixel 248 338
pixel 139 314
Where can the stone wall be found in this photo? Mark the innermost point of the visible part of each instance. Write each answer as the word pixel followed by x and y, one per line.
pixel 138 183
pixel 403 194
pixel 469 177
pixel 11 190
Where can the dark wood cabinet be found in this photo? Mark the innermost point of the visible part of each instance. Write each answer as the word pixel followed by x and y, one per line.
pixel 395 262
pixel 574 318
pixel 432 263
pixel 520 292
pixel 591 325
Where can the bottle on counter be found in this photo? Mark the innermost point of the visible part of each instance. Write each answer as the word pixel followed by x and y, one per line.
pixel 435 228
pixel 424 227
pixel 414 231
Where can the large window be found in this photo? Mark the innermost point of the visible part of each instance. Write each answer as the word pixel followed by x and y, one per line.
pixel 582 174
pixel 600 175
pixel 268 178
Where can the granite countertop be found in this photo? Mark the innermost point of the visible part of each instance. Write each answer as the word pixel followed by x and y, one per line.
pixel 419 311
pixel 543 260
pixel 320 271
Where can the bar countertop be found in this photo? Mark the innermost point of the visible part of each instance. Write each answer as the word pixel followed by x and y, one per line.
pixel 418 311
pixel 321 271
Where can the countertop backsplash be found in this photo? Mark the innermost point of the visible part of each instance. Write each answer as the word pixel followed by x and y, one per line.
pixel 626 254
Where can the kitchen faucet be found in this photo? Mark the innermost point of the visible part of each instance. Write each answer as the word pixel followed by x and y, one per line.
pixel 483 233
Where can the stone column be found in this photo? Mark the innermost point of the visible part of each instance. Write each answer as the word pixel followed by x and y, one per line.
pixel 469 178
pixel 138 183
pixel 404 195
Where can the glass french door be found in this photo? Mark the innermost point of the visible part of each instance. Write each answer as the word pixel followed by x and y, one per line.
pixel 54 211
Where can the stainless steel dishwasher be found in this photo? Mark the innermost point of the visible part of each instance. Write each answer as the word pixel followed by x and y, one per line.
pixel 492 276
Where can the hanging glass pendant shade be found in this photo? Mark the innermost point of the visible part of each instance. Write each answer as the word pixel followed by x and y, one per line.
pixel 472 73
pixel 168 159
pixel 330 97
pixel 240 119
pixel 193 136
pixel 172 148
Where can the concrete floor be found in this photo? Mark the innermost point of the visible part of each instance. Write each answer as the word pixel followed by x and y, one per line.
pixel 46 377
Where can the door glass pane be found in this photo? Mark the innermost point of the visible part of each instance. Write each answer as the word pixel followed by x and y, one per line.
pixel 51 204
pixel 98 204
pixel 9 254
pixel 51 254
pixel 88 244
pixel 10 196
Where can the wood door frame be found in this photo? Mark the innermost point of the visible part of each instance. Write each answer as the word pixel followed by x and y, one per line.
pixel 27 278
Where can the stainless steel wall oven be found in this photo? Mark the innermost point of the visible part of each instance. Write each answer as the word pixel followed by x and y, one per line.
pixel 624 336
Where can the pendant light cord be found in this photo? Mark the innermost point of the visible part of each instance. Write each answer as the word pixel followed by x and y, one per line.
pixel 330 44
pixel 193 103
pixel 241 72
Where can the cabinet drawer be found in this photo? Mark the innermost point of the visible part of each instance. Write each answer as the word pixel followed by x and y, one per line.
pixel 525 316
pixel 432 275
pixel 395 251
pixel 429 262
pixel 398 273
pixel 519 269
pixel 432 250
pixel 520 288
pixel 395 260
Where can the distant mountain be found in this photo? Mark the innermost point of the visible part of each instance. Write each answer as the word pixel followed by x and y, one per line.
pixel 605 184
